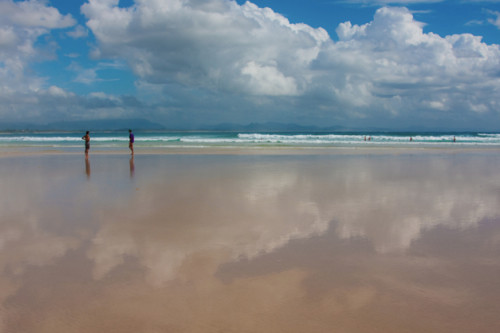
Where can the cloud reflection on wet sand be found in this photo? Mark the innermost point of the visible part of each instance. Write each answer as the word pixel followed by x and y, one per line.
pixel 250 243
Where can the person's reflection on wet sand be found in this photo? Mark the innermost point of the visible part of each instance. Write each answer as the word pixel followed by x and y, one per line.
pixel 132 167
pixel 87 168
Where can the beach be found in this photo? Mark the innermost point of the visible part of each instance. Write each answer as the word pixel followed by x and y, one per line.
pixel 259 239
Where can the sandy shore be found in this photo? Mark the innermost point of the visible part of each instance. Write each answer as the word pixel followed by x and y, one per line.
pixel 7 151
pixel 286 240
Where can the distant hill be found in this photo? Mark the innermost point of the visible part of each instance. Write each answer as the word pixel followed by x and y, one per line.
pixel 143 124
pixel 91 125
pixel 265 127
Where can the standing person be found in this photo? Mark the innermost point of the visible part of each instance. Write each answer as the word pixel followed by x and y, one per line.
pixel 131 141
pixel 86 137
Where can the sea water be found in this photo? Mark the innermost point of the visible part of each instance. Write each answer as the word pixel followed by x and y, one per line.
pixel 165 139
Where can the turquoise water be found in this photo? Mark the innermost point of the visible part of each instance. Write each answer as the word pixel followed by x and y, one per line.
pixel 161 139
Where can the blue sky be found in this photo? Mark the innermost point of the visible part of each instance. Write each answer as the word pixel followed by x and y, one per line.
pixel 409 64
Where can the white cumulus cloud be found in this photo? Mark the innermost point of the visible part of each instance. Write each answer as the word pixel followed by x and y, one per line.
pixel 21 25
pixel 78 32
pixel 268 80
pixel 388 68
pixel 210 44
pixel 496 20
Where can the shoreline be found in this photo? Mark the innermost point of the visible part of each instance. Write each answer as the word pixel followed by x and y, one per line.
pixel 238 150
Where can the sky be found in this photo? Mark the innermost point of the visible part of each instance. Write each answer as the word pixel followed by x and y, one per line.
pixel 186 64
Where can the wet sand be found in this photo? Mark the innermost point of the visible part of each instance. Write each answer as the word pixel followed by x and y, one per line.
pixel 251 242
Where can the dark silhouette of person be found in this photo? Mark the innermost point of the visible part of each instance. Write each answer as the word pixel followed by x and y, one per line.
pixel 86 137
pixel 131 140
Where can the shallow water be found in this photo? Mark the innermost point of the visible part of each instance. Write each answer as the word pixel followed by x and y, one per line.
pixel 116 140
pixel 250 243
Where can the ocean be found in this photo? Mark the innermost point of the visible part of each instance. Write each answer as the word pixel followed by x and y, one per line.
pixel 165 139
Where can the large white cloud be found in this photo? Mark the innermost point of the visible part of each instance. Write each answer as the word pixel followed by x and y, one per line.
pixel 403 64
pixel 386 68
pixel 215 44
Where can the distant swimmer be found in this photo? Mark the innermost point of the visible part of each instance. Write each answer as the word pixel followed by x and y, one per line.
pixel 411 139
pixel 131 140
pixel 86 137
pixel 454 139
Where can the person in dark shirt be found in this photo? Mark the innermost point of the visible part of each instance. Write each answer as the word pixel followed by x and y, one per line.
pixel 131 141
pixel 86 137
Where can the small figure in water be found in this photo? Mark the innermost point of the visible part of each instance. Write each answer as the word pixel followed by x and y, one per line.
pixel 454 139
pixel 411 139
pixel 131 141
pixel 86 137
